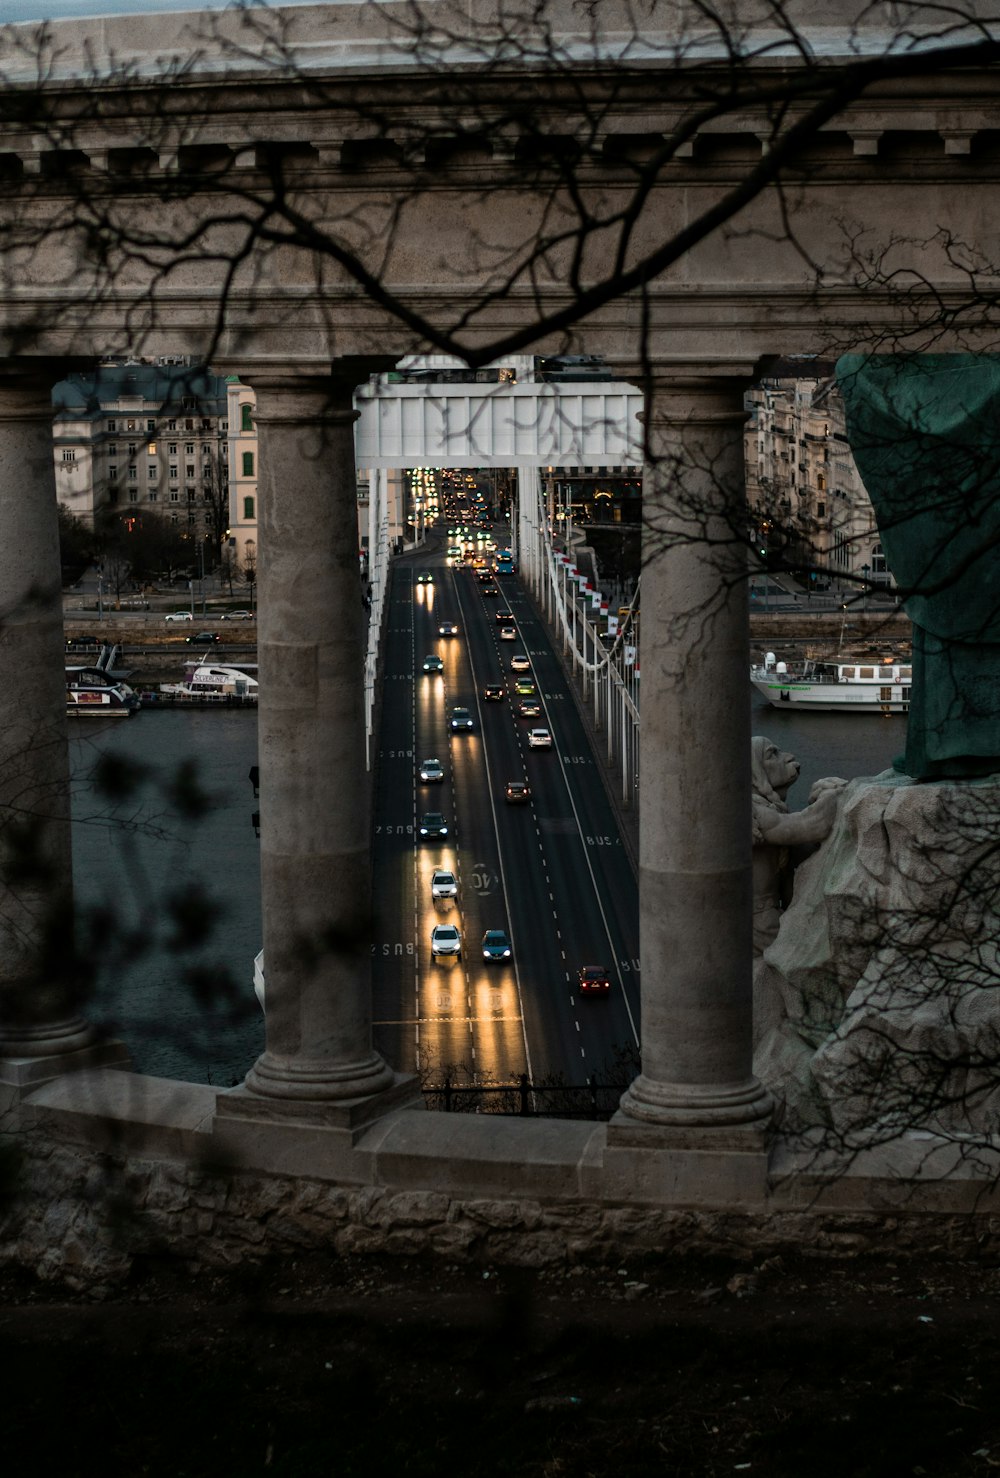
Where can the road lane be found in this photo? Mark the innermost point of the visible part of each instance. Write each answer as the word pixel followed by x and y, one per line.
pixel 553 874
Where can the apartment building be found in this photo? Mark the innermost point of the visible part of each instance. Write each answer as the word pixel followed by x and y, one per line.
pixel 144 437
pixel 808 505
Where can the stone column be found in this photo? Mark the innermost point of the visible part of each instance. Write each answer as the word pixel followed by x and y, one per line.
pixel 695 887
pixel 314 800
pixel 42 1033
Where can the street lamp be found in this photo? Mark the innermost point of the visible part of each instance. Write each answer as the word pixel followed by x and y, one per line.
pixel 865 572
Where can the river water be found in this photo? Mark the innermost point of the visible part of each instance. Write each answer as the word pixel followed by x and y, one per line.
pixel 167 878
pixel 174 857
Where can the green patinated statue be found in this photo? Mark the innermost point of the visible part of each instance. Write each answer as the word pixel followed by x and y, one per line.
pixel 925 433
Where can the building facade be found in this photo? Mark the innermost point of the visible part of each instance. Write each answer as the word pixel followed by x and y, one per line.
pixel 144 437
pixel 809 508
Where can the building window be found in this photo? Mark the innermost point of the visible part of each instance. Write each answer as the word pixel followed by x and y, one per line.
pixel 112 449
pixel 132 448
pixel 189 470
pixel 173 472
pixel 173 518
pixel 175 496
pixel 112 495
pixel 133 473
pixel 151 472
pixel 246 417
pixel 133 495
pixel 151 497
pixel 151 449
pixel 190 518
pixel 248 508
pixel 172 449
pixel 129 425
pixel 820 510
pixel 189 448
pixel 223 425
pixel 112 474
pixel 206 425
pixel 69 455
pixel 112 425
pixel 820 482
pixel 190 493
pixel 150 425
pixel 248 464
pixel 171 425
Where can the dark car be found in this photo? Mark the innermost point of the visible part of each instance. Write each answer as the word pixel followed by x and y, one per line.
pixel 447 628
pixel 594 980
pixel 496 945
pixel 494 693
pixel 504 618
pixel 433 826
pixel 530 708
pixel 461 719
pixel 517 792
pixel 203 638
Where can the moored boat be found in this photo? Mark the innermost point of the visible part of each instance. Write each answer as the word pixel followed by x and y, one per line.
pixel 839 685
pixel 208 681
pixel 95 693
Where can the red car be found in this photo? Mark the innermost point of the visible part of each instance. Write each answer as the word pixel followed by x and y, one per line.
pixel 594 980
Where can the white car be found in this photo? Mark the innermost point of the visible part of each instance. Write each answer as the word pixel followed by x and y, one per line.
pixel 539 739
pixel 445 940
pixel 444 884
pixel 237 616
pixel 431 771
pixel 519 663
pixel 179 616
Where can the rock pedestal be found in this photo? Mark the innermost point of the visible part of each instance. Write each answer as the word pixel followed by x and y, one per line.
pixel 877 1008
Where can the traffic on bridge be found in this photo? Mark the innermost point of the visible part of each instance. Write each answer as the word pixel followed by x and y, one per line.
pixel 506 905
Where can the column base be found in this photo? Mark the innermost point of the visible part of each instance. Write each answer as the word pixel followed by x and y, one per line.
pixel 401 1090
pixel 47 1039
pixel 646 1102
pixel 305 1080
pixel 21 1074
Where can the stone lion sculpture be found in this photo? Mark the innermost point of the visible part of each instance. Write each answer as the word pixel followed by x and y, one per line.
pixel 782 838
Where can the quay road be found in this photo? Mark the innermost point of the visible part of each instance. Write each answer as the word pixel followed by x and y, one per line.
pixel 553 874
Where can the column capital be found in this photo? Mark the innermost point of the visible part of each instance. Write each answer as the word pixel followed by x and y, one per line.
pixel 689 369
pixel 342 375
pixel 26 383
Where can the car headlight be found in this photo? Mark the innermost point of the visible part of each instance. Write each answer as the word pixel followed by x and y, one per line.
pixel 506 954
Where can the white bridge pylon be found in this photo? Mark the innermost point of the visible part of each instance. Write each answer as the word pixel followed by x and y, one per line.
pixel 529 425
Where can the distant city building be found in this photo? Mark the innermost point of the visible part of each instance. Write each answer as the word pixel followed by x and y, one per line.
pixel 140 437
pixel 808 505
pixel 241 415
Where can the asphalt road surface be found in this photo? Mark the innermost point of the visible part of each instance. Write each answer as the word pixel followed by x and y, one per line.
pixel 553 874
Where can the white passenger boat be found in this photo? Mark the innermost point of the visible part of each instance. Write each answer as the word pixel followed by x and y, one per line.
pixel 95 693
pixel 208 681
pixel 839 685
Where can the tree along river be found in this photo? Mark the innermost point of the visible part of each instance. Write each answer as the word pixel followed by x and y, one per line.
pixel 167 870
